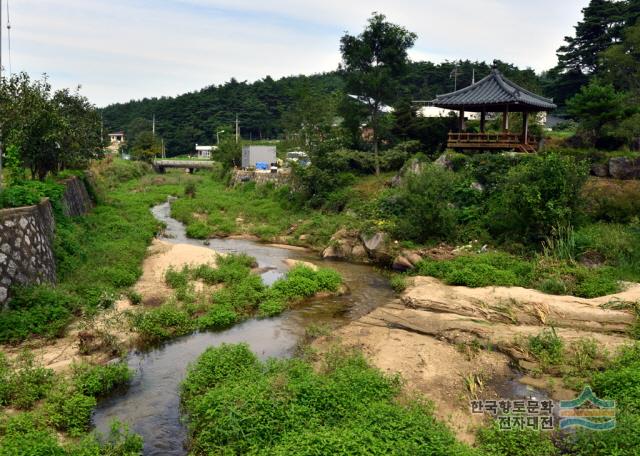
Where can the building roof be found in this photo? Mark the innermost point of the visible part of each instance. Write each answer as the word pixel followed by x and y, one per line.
pixel 118 133
pixel 494 92
pixel 205 148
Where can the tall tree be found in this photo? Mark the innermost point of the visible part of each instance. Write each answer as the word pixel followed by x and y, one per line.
pixel 602 24
pixel 372 63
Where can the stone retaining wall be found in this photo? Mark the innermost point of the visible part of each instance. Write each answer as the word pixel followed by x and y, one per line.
pixel 26 238
pixel 26 247
pixel 76 200
pixel 240 176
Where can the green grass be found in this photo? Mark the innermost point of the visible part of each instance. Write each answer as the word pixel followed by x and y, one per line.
pixel 98 256
pixel 263 211
pixel 539 272
pixel 58 404
pixel 242 296
pixel 239 405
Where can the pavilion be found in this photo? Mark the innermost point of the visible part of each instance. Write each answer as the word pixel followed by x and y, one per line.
pixel 496 94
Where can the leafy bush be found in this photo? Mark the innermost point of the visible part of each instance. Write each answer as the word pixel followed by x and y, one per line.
pixel 27 434
pixel 612 200
pixel 422 209
pixel 547 347
pixel 288 407
pixel 495 442
pixel 478 270
pixel 541 193
pixel 25 381
pixel 28 193
pixel 199 230
pixel 271 307
pixel 70 411
pixel 166 321
pixel 217 317
pixel 98 381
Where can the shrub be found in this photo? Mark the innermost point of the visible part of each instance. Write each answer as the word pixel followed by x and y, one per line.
pixel 70 411
pixel 422 209
pixel 271 307
pixel 162 322
pixel 119 442
pixel 190 190
pixel 27 434
pixel 495 442
pixel 541 193
pixel 288 407
pixel 176 279
pixel 612 200
pixel 134 297
pixel 198 230
pixel 98 381
pixel 217 317
pixel 40 310
pixel 28 193
pixel 547 347
pixel 27 382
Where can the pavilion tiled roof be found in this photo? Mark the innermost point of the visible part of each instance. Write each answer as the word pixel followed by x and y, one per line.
pixel 494 91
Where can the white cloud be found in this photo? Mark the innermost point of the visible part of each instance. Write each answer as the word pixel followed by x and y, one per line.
pixel 121 49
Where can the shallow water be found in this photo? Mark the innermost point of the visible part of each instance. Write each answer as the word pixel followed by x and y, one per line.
pixel 151 405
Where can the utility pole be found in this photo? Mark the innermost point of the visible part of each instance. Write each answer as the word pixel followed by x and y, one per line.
pixel 153 128
pixel 237 130
pixel 473 76
pixel 1 84
pixel 454 73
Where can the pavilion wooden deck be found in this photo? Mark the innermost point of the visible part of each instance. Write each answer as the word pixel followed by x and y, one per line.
pixel 490 141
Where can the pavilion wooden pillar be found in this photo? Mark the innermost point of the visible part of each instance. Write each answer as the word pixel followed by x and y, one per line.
pixel 483 120
pixel 505 119
pixel 461 121
pixel 525 127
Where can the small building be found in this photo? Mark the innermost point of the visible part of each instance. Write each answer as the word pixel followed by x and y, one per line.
pixel 258 154
pixel 116 137
pixel 493 94
pixel 204 151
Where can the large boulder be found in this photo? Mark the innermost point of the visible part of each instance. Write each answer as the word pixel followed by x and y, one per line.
pixel 345 245
pixel 624 168
pixel 378 246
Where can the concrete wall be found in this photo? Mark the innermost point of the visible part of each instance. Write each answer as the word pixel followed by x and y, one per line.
pixel 240 176
pixel 26 238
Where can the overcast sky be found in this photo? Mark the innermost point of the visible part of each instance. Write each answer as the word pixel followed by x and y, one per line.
pixel 123 49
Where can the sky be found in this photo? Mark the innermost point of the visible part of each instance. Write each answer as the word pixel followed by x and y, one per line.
pixel 130 49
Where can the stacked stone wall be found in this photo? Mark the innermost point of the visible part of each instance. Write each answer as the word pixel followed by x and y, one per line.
pixel 26 239
pixel 26 247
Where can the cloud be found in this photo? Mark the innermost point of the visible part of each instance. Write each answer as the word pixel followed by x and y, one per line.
pixel 123 49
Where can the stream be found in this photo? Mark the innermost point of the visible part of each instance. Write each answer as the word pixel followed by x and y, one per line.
pixel 151 404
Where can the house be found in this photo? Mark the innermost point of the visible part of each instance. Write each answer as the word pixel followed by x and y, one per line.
pixel 204 151
pixel 258 154
pixel 116 137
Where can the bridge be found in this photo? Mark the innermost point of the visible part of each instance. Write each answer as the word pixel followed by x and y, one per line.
pixel 160 166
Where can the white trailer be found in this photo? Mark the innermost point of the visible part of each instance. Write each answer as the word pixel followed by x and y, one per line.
pixel 258 154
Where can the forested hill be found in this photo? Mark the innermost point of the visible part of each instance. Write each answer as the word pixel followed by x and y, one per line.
pixel 262 106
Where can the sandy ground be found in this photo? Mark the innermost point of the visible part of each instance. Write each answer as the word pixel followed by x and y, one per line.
pixel 109 330
pixel 436 336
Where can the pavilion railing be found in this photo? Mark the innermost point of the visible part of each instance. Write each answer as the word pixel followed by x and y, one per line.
pixel 488 138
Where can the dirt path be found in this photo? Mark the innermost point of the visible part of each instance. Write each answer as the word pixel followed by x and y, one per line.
pixel 456 343
pixel 100 339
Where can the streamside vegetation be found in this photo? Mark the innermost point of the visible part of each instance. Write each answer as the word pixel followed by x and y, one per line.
pixel 45 405
pixel 290 407
pixel 236 293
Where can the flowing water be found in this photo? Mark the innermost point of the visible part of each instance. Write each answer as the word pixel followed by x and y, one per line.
pixel 151 404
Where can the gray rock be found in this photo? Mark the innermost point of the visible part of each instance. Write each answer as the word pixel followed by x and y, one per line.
pixel 3 258
pixel 378 247
pixel 401 263
pixel 477 186
pixel 23 222
pixel 3 294
pixel 624 168
pixel 600 169
pixel 444 162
